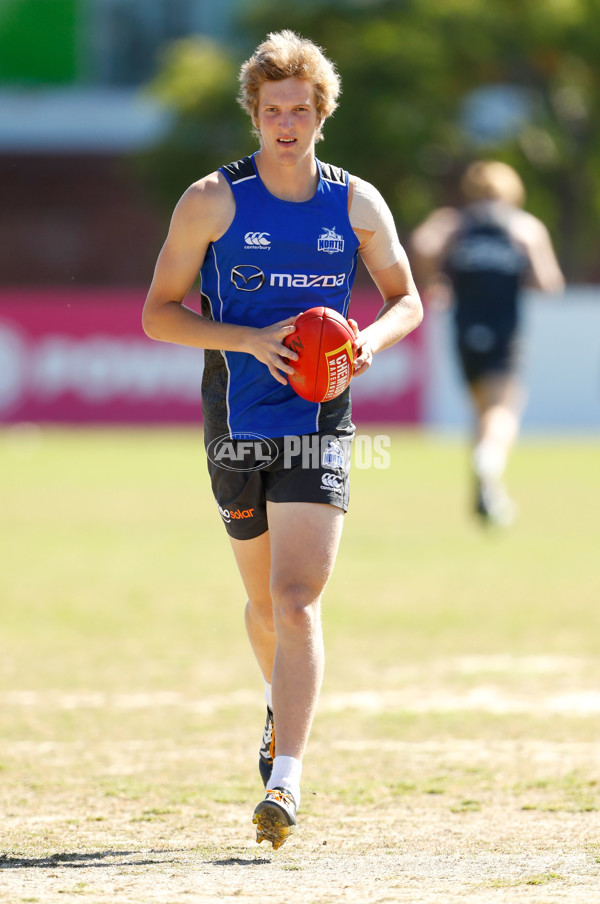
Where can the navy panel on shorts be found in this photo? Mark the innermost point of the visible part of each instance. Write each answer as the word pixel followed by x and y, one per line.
pixel 482 351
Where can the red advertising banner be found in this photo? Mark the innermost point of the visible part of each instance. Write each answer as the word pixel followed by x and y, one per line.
pixel 80 356
pixel 393 390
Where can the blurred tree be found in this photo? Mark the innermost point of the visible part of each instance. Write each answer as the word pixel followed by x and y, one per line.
pixel 407 120
pixel 198 79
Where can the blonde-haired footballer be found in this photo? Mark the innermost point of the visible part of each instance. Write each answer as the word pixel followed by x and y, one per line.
pixel 253 229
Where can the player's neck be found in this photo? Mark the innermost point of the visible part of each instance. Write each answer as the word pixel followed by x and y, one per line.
pixel 294 182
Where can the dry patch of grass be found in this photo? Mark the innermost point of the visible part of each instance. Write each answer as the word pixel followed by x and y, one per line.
pixel 455 753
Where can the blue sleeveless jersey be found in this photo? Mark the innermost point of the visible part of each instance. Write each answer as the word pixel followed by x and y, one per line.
pixel 277 259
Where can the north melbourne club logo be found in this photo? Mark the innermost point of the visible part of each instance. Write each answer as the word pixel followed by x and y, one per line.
pixel 257 240
pixel 330 242
pixel 333 456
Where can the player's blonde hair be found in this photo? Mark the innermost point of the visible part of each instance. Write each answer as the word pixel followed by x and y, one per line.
pixel 492 181
pixel 284 54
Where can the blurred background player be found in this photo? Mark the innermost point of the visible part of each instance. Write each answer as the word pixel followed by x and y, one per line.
pixel 486 252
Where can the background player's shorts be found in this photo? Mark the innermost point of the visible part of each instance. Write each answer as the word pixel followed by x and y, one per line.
pixel 246 473
pixel 483 350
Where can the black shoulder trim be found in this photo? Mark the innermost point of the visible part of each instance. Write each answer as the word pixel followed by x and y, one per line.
pixel 333 173
pixel 241 169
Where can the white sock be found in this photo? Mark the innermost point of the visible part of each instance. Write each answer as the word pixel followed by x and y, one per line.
pixel 489 460
pixel 286 774
pixel 268 694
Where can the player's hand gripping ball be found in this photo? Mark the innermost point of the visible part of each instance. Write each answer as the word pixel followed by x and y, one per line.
pixel 324 341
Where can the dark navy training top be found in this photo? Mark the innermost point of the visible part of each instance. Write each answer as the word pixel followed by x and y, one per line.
pixel 486 267
pixel 277 259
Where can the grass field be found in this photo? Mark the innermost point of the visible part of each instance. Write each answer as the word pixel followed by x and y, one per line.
pixel 456 751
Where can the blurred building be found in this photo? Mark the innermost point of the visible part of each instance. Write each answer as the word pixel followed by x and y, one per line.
pixel 79 235
pixel 71 116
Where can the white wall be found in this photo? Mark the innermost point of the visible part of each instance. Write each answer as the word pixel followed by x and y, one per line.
pixel 561 365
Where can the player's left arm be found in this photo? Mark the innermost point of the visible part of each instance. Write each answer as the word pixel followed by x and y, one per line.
pixel 388 265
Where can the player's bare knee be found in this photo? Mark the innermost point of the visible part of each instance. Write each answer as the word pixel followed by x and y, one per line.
pixel 296 607
pixel 260 613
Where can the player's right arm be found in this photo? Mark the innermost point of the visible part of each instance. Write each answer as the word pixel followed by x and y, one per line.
pixel 202 215
pixel 429 243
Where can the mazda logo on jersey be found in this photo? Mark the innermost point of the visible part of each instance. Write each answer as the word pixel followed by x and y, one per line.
pixel 247 278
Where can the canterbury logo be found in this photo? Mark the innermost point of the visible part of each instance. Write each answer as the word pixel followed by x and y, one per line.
pixel 257 239
pixel 247 278
pixel 330 482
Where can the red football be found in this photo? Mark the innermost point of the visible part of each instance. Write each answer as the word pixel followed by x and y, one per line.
pixel 324 342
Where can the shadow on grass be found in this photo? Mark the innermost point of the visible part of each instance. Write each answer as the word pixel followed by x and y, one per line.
pixel 82 861
pixel 240 861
